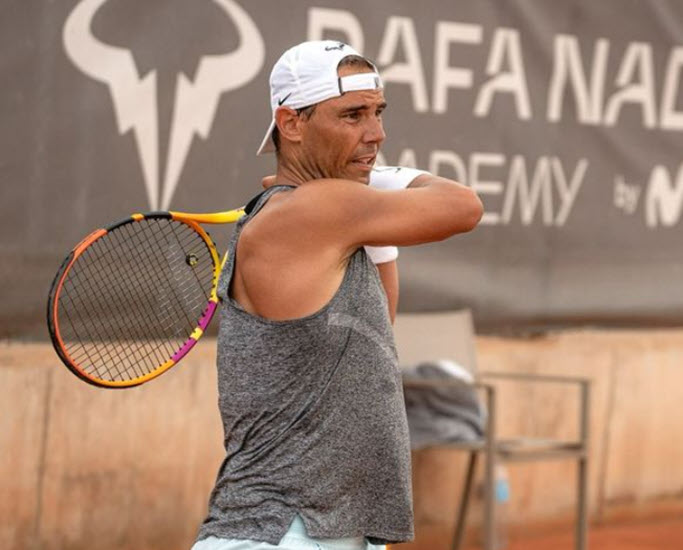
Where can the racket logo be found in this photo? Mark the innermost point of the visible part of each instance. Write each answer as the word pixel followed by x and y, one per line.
pixel 191 260
pixel 135 95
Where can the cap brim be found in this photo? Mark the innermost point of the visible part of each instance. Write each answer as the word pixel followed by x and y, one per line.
pixel 267 145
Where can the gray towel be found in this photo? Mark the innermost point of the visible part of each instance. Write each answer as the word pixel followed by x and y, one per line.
pixel 442 414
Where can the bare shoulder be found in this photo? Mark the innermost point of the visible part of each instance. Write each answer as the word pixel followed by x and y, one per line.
pixel 324 196
pixel 286 267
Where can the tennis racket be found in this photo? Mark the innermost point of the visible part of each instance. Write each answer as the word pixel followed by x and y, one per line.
pixel 132 299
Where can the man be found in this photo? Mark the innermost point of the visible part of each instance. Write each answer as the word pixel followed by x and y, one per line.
pixel 317 450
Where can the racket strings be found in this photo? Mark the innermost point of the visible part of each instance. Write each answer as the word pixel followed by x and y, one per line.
pixel 146 290
pixel 133 298
pixel 177 291
pixel 87 309
pixel 135 346
pixel 115 352
pixel 168 321
pixel 146 287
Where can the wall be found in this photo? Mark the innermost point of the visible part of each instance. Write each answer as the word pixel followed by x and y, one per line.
pixel 134 468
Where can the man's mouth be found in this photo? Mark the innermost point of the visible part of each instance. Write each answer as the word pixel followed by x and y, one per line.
pixel 368 160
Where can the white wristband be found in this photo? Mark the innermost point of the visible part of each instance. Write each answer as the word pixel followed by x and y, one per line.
pixel 393 177
pixel 381 254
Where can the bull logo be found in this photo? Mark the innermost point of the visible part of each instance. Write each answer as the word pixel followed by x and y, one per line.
pixel 135 96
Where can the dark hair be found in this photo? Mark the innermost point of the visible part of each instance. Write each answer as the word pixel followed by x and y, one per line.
pixel 307 112
pixel 356 61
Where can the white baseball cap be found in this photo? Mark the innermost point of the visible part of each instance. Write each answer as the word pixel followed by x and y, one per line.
pixel 307 74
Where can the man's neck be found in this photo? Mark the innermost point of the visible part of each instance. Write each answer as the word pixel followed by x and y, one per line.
pixel 290 173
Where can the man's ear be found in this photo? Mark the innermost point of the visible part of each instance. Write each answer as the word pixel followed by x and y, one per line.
pixel 288 124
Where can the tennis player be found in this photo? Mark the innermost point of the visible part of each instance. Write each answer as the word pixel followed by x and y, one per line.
pixel 316 438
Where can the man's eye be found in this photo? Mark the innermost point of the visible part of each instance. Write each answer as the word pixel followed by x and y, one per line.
pixel 352 116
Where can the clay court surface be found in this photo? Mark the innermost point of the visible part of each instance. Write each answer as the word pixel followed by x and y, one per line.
pixel 651 535
pixel 658 528
pixel 659 534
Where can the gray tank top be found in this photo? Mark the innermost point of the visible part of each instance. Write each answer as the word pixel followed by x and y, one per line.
pixel 314 417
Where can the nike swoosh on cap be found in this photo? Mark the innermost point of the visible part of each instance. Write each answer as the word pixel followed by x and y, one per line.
pixel 281 101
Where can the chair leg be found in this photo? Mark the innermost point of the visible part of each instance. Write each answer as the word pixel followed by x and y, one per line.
pixel 490 502
pixel 464 501
pixel 582 505
pixel 489 472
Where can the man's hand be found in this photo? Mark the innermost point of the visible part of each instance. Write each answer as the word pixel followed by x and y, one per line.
pixel 268 181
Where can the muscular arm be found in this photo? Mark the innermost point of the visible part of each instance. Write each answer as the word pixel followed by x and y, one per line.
pixel 431 209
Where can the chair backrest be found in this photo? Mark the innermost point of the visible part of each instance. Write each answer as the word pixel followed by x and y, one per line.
pixel 439 335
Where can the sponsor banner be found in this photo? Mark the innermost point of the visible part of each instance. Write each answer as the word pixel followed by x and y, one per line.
pixel 567 119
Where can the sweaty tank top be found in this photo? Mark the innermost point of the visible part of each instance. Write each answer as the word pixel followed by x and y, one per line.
pixel 314 416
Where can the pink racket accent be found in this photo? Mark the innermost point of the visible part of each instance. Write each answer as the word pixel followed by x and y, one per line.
pixel 208 314
pixel 187 346
pixel 203 323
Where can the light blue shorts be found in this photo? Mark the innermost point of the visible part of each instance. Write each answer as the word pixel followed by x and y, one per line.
pixel 295 538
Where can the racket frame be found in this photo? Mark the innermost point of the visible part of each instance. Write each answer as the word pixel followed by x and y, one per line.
pixel 192 220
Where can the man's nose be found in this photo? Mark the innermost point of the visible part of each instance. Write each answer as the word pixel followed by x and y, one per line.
pixel 374 131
